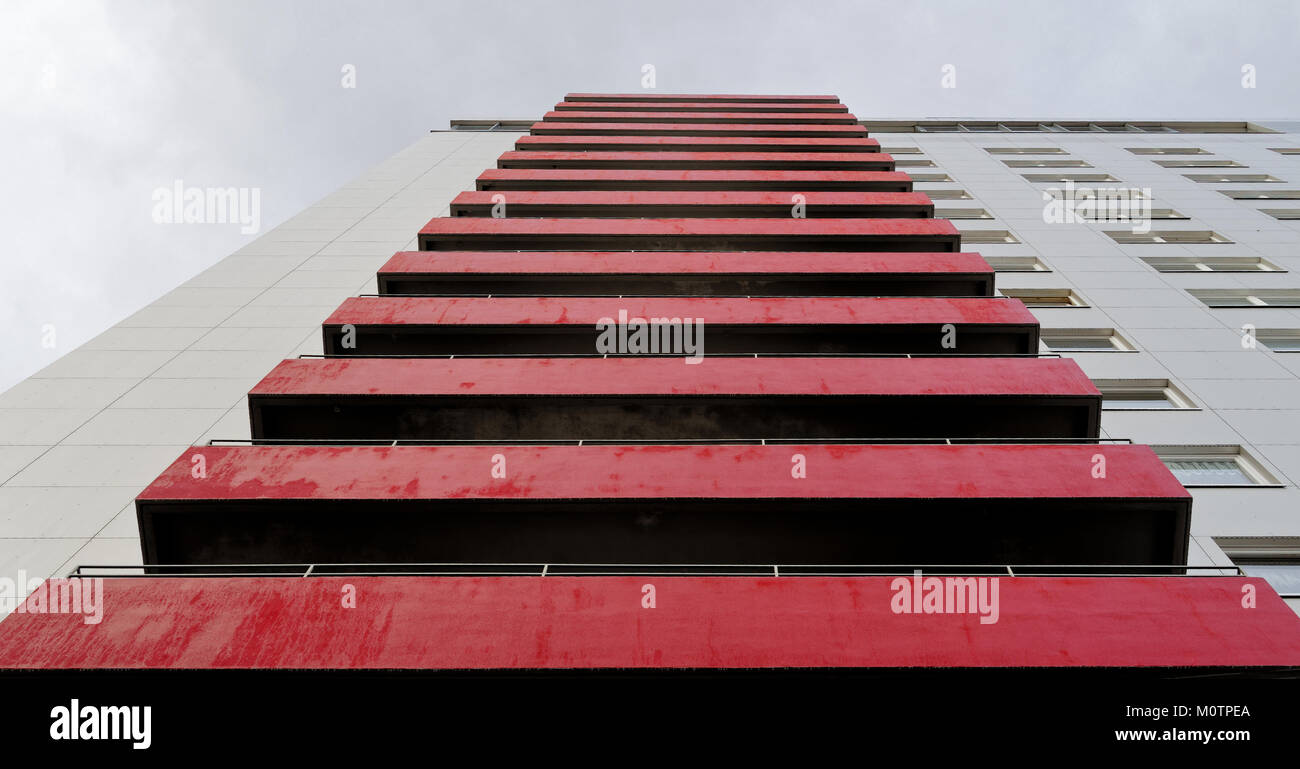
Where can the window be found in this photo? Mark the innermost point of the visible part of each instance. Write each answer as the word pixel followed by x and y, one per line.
pixel 931 178
pixel 1141 395
pixel 961 213
pixel 1279 339
pixel 901 150
pixel 1085 340
pixel 1247 297
pixel 1211 264
pixel 1286 150
pixel 914 164
pixel 1047 164
pixel 1026 151
pixel 1016 264
pixel 1103 213
pixel 1232 178
pixel 1214 466
pixel 1262 194
pixel 1074 126
pixel 1166 236
pixel 988 236
pixel 1167 151
pixel 1060 178
pixel 1199 164
pixel 948 194
pixel 1045 297
pixel 491 125
pixel 1276 560
pixel 1286 214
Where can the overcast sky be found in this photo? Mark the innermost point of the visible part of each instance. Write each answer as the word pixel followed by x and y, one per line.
pixel 101 103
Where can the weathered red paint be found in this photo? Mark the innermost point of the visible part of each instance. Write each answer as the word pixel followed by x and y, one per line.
pixel 697 144
pixel 521 623
pixel 759 161
pixel 657 97
pixel 588 311
pixel 485 233
pixel 700 106
pixel 690 203
pixel 742 118
pixel 676 179
pixel 673 262
pixel 649 376
pixel 569 128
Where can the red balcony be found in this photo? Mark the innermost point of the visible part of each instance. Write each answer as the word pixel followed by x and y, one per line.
pixel 544 326
pixel 700 106
pixel 670 97
pixel 760 161
pixel 712 118
pixel 694 144
pixel 497 179
pixel 715 504
pixel 655 398
pixel 685 273
pixel 489 234
pixel 661 204
pixel 569 128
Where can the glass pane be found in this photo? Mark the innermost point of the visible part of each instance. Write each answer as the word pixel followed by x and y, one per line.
pixel 1282 345
pixel 1216 472
pixel 1135 402
pixel 1080 343
pixel 1285 578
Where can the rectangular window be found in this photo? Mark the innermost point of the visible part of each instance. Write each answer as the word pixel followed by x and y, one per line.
pixel 901 150
pixel 1166 236
pixel 1103 213
pixel 1045 297
pixel 914 164
pixel 1016 264
pixel 1141 395
pixel 1276 560
pixel 1286 150
pixel 1233 178
pixel 1026 151
pixel 1062 178
pixel 1167 151
pixel 948 194
pixel 1211 264
pixel 1262 194
pixel 1047 164
pixel 1214 466
pixel 930 177
pixel 961 213
pixel 988 236
pixel 1199 163
pixel 1279 339
pixel 1247 297
pixel 1085 340
pixel 1285 214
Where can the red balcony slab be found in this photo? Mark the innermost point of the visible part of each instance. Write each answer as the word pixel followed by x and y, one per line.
pixel 657 398
pixel 758 161
pixel 546 326
pixel 694 144
pixel 670 97
pixel 697 623
pixel 571 128
pixel 857 504
pixel 661 204
pixel 700 106
pixel 712 118
pixel 685 273
pixel 496 179
pixel 466 233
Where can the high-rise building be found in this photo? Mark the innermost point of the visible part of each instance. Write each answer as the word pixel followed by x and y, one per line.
pixel 688 382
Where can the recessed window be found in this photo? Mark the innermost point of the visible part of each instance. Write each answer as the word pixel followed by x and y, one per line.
pixel 930 177
pixel 1167 151
pixel 1141 395
pixel 1061 178
pixel 1286 150
pixel 961 213
pixel 1211 264
pixel 1233 178
pixel 1085 340
pixel 1214 466
pixel 901 150
pixel 948 194
pixel 1262 194
pixel 1285 214
pixel 1103 213
pixel 1045 297
pixel 1198 163
pixel 1026 151
pixel 1166 236
pixel 1247 297
pixel 1047 164
pixel 1276 560
pixel 1016 264
pixel 914 163
pixel 988 236
pixel 1279 339
pixel 1103 195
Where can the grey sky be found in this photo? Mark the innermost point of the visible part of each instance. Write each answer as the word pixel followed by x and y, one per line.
pixel 101 103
